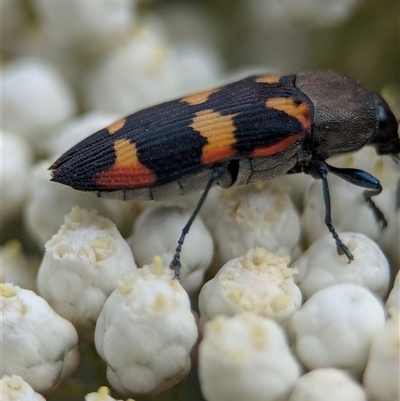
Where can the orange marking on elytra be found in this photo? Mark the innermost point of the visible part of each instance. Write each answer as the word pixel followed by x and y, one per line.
pixel 268 79
pixel 199 98
pixel 220 133
pixel 277 147
pixel 116 126
pixel 127 171
pixel 300 111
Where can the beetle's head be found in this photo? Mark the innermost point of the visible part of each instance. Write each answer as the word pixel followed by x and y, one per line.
pixel 385 139
pixel 348 116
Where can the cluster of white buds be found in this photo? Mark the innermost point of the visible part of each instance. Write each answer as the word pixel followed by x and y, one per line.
pixel 81 266
pixel 264 309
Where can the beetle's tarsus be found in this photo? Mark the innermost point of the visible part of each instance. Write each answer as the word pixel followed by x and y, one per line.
pixel 343 250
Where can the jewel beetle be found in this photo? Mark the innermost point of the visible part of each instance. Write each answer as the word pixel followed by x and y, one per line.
pixel 254 129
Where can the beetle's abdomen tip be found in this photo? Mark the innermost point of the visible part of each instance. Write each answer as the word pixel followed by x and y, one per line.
pixel 59 174
pixel 71 173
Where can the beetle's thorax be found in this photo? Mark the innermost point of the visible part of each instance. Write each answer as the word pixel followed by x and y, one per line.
pixel 344 112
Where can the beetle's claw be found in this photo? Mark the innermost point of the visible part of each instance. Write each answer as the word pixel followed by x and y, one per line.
pixel 343 250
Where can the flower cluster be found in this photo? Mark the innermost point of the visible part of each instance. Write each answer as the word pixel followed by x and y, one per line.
pixel 265 308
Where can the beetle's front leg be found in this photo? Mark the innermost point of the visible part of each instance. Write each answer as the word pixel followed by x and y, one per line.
pixel 319 170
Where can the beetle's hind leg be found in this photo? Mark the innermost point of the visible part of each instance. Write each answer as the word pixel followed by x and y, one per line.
pixel 319 170
pixel 364 180
pixel 375 210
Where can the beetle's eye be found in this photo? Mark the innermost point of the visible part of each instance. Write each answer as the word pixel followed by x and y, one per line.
pixel 383 117
pixel 385 139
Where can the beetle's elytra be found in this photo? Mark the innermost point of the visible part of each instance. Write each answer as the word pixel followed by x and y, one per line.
pixel 254 129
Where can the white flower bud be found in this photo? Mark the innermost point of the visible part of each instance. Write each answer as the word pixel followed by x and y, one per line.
pixel 389 240
pixel 135 75
pixel 75 130
pixel 320 266
pixel 349 210
pixel 35 98
pixel 146 331
pixel 14 388
pixel 245 357
pixel 259 282
pixel 48 203
pixel 16 159
pixel 15 267
pixel 306 12
pixel 327 385
pixel 393 301
pixel 255 215
pixel 148 70
pixel 90 24
pixel 335 327
pixel 156 232
pixel 81 266
pixel 381 377
pixel 37 344
pixel 295 185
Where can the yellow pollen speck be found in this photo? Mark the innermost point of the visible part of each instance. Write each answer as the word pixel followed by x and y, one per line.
pixel 237 355
pixel 259 335
pixel 199 98
pixel 157 266
pixel 259 256
pixel 216 325
pixel 279 303
pixel 235 296
pixel 7 291
pixel 114 127
pixel 101 243
pixel 160 303
pixel 14 384
pixel 258 330
pixel 125 286
pixel 259 185
pixel 228 193
pixel 103 391
pixel 76 214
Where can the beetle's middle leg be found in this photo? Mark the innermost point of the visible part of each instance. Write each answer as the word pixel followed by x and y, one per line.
pixel 219 173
